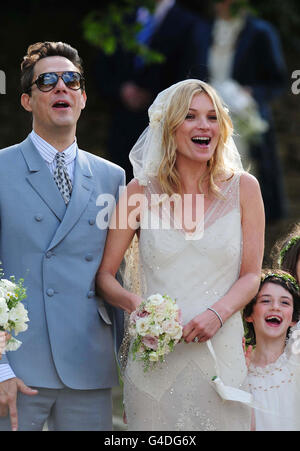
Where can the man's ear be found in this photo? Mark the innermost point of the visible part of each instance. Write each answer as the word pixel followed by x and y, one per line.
pixel 83 100
pixel 26 102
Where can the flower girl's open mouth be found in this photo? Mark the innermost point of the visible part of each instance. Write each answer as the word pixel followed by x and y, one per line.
pixel 273 320
pixel 201 141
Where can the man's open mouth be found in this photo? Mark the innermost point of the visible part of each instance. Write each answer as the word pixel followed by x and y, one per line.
pixel 61 104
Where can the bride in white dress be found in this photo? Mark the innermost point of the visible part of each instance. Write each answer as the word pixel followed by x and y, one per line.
pixel 211 265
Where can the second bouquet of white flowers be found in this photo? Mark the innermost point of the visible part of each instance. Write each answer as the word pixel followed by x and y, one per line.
pixel 13 315
pixel 155 328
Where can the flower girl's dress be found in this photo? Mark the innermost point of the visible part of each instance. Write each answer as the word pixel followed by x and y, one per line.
pixel 195 270
pixel 276 392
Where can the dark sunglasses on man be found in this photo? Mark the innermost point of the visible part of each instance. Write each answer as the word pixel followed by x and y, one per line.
pixel 47 81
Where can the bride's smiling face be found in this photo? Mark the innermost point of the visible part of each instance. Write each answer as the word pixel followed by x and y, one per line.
pixel 197 137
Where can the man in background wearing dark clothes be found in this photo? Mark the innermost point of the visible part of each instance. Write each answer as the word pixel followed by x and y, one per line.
pixel 130 85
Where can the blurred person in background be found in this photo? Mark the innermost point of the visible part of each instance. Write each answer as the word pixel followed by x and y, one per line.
pixel 241 56
pixel 130 84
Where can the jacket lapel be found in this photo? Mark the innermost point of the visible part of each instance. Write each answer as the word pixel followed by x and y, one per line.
pixel 41 180
pixel 81 192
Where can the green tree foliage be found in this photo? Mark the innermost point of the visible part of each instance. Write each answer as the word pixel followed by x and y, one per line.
pixel 108 28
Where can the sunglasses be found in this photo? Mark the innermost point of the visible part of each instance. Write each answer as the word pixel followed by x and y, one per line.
pixel 47 81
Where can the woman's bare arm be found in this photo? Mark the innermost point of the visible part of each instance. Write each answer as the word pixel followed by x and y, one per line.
pixel 119 237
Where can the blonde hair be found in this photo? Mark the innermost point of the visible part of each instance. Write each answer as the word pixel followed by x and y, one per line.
pixel 175 114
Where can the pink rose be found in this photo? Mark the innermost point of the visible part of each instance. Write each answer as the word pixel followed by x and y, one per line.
pixel 142 314
pixel 137 315
pixel 150 342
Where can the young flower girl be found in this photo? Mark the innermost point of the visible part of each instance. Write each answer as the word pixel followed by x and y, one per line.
pixel 274 364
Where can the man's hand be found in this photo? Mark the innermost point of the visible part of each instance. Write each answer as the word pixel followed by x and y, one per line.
pixel 8 398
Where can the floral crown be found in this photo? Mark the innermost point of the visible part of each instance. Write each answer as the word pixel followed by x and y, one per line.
pixel 285 277
pixel 286 248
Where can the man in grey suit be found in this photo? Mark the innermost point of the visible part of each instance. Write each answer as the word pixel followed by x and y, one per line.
pixel 65 368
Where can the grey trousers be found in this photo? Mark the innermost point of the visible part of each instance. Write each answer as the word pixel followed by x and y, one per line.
pixel 63 410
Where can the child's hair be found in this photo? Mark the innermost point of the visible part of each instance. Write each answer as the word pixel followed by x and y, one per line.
pixel 277 277
pixel 286 252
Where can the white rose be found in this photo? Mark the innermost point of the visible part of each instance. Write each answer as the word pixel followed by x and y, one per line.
pixel 156 299
pixel 159 316
pixel 177 332
pixel 155 330
pixel 173 329
pixel 142 326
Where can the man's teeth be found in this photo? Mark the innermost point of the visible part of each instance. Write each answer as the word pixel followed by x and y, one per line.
pixel 61 105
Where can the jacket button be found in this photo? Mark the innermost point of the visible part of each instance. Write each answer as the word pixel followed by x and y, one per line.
pixel 49 254
pixel 38 217
pixel 92 221
pixel 50 292
pixel 91 294
pixel 89 257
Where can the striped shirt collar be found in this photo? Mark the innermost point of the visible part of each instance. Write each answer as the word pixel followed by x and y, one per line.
pixel 48 152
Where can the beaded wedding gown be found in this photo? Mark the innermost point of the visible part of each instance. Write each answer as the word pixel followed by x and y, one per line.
pixel 196 271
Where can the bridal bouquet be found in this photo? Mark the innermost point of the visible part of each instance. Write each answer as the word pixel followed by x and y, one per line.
pixel 155 327
pixel 13 315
